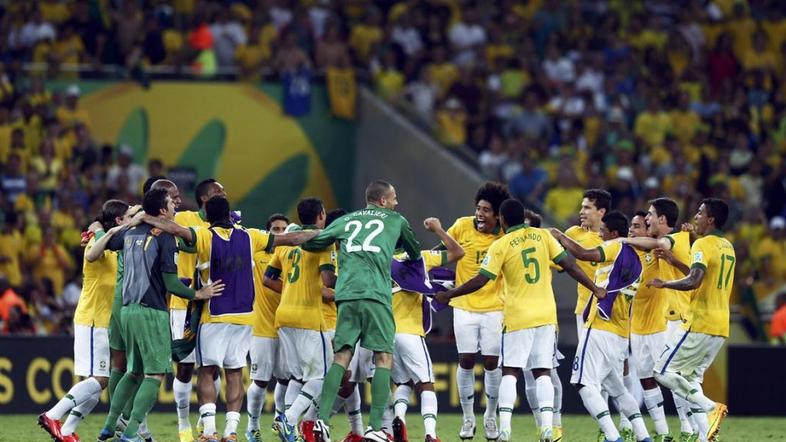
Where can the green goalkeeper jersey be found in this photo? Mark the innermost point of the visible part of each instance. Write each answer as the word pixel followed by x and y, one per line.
pixel 367 239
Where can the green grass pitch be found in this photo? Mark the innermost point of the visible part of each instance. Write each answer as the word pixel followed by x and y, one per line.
pixel 578 428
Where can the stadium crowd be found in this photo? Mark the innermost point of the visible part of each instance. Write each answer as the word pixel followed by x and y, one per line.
pixel 643 98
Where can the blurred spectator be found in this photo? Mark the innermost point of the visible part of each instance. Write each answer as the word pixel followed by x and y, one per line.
pixel 529 185
pixel 125 171
pixel 12 248
pixel 14 318
pixel 50 260
pixel 452 120
pixel 778 322
pixel 562 199
pixel 774 246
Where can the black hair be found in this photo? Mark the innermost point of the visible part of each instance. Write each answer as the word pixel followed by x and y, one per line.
pixel 376 190
pixel 217 209
pixel 201 190
pixel 494 193
pixel 309 209
pixel 149 183
pixel 532 218
pixel 616 221
pixel 640 213
pixel 512 212
pixel 668 208
pixel 334 215
pixel 601 198
pixel 718 210
pixel 275 217
pixel 110 211
pixel 154 201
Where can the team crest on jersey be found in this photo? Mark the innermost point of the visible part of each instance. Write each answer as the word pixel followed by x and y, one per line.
pixel 486 260
pixel 698 257
pixel 155 231
pixel 648 258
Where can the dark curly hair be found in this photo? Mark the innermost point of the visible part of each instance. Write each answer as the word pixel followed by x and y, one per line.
pixel 494 193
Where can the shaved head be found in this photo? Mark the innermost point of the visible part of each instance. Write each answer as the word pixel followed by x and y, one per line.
pixel 170 187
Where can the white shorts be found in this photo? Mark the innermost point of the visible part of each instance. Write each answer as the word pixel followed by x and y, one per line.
pixel 477 331
pixel 689 354
pixel 673 327
pixel 223 345
pixel 304 354
pixel 361 365
pixel 177 325
pixel 264 359
pixel 91 351
pixel 529 348
pixel 646 349
pixel 558 356
pixel 600 359
pixel 411 360
pixel 579 326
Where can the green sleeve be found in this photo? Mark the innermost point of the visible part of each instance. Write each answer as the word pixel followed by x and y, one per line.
pixel 408 240
pixel 324 239
pixel 177 288
pixel 186 246
pixel 99 234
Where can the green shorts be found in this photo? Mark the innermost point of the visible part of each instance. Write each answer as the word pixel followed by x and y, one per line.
pixel 116 341
pixel 367 321
pixel 148 340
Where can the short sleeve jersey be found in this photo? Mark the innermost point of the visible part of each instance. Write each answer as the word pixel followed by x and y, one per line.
pixel 301 296
pixel 648 312
pixel 619 321
pixel 709 307
pixel 98 287
pixel 408 306
pixel 367 239
pixel 265 300
pixel 259 241
pixel 679 302
pixel 148 253
pixel 587 239
pixel 186 265
pixel 523 257
pixel 476 245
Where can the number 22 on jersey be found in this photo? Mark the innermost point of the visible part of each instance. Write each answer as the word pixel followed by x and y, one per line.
pixel 356 226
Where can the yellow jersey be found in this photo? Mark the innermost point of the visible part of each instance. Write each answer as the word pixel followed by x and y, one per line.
pixel 524 256
pixel 265 300
pixel 259 241
pixel 648 312
pixel 589 240
pixel 186 262
pixel 709 305
pixel 476 245
pixel 98 289
pixel 619 320
pixel 301 296
pixel 408 306
pixel 679 302
pixel 12 246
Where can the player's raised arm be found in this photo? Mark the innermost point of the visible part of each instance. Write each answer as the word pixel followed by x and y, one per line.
pixel 295 238
pixel 575 249
pixel 408 241
pixel 97 250
pixel 186 233
pixel 468 287
pixel 568 263
pixel 647 243
pixel 454 249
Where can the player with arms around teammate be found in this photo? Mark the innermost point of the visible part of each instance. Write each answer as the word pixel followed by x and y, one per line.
pixel 365 314
pixel 688 354
pixel 411 359
pixel 150 272
pixel 264 341
pixel 522 257
pixel 603 344
pixel 305 348
pixel 477 318
pixel 91 331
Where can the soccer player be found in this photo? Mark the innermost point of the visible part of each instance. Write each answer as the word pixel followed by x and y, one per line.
pixel 477 318
pixel 150 268
pixel 91 332
pixel 305 348
pixel 595 205
pixel 688 354
pixel 603 345
pixel 522 258
pixel 186 267
pixel 411 359
pixel 264 341
pixel 365 314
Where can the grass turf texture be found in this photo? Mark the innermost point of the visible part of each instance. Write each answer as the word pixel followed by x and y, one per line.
pixel 578 428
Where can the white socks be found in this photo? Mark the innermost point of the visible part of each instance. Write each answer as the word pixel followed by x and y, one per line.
pixel 599 409
pixel 182 391
pixel 428 409
pixel 532 395
pixel 355 417
pixel 491 381
pixel 278 397
pixel 255 401
pixel 401 401
pixel 680 386
pixel 207 413
pixel 233 418
pixel 387 416
pixel 653 400
pixel 557 383
pixel 79 393
pixel 683 411
pixel 79 413
pixel 308 393
pixel 507 400
pixel 465 378
pixel 628 407
pixel 293 391
pixel 545 393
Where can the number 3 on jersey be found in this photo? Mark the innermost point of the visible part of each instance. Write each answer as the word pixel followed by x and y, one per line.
pixel 356 226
